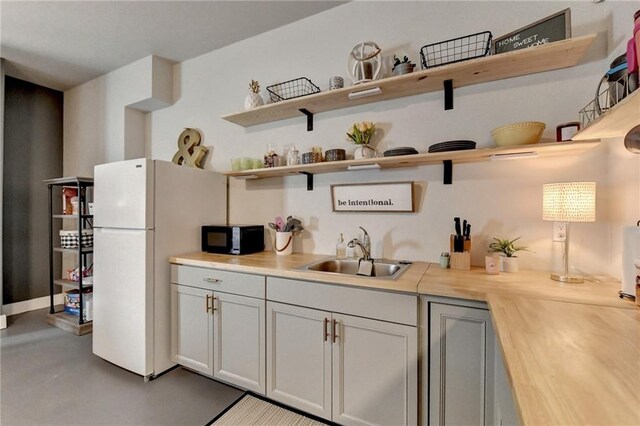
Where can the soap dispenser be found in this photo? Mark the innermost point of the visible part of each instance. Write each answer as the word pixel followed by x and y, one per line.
pixel 341 248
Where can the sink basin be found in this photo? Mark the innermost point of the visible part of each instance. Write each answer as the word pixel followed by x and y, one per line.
pixel 382 268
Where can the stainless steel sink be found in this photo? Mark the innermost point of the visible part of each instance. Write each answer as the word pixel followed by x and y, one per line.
pixel 382 268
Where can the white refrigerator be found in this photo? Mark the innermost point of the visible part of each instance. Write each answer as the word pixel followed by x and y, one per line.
pixel 145 211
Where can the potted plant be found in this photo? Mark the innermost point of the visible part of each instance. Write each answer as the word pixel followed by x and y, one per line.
pixel 360 134
pixel 506 249
pixel 402 67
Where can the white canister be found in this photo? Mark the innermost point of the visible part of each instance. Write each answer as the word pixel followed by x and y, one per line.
pixel 283 244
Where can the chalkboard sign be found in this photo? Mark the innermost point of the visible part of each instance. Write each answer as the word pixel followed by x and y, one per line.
pixel 552 28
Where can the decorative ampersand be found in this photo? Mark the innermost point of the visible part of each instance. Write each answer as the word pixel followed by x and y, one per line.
pixel 189 152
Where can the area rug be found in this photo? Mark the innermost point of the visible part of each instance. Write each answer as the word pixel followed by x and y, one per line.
pixel 252 409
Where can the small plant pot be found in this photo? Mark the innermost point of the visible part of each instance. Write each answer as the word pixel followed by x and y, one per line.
pixel 404 68
pixel 509 264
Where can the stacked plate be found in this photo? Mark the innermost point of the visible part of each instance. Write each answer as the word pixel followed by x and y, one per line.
pixel 452 146
pixel 405 150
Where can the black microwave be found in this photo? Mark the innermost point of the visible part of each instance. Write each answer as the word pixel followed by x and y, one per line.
pixel 233 239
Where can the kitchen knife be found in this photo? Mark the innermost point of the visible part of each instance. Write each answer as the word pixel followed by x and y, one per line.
pixel 456 220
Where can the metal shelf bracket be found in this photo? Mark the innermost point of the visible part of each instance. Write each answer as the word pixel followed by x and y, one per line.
pixel 448 94
pixel 309 180
pixel 309 118
pixel 447 178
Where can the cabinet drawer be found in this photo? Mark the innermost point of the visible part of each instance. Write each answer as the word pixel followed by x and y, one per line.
pixel 216 280
pixel 386 306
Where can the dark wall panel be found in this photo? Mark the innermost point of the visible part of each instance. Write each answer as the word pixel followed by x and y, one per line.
pixel 32 153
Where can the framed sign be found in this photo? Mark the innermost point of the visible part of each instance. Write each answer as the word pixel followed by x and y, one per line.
pixel 552 28
pixel 373 197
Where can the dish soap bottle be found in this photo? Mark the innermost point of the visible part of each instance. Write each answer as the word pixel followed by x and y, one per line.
pixel 341 248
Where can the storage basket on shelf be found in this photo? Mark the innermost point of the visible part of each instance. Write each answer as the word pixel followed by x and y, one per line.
pixel 69 239
pixel 292 89
pixel 456 50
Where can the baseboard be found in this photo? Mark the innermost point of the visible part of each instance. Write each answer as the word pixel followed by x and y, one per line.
pixel 3 322
pixel 31 304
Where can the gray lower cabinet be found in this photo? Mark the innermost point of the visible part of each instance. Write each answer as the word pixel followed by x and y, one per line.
pixel 216 332
pixel 355 370
pixel 465 382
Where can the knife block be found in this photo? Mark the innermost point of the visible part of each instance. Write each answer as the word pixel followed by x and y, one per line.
pixel 461 261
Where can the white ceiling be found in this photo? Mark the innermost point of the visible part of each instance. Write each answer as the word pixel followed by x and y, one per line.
pixel 61 44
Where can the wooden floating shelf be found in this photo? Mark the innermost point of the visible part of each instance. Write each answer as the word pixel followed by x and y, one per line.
pixel 70 283
pixel 87 250
pixel 546 57
pixel 455 157
pixel 616 122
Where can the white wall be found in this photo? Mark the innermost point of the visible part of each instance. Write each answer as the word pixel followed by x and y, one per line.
pixel 499 199
pixel 104 119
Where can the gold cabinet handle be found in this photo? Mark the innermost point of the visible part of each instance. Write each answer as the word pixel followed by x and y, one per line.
pixel 326 329
pixel 335 331
pixel 213 303
pixel 207 304
pixel 212 280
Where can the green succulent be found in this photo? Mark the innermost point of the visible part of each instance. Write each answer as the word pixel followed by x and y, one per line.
pixel 506 246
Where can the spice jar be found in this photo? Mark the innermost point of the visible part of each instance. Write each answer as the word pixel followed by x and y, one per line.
pixel 293 157
pixel 317 154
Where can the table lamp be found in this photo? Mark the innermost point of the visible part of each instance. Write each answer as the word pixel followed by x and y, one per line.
pixel 568 202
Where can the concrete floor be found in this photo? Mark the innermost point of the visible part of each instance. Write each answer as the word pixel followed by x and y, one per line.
pixel 51 377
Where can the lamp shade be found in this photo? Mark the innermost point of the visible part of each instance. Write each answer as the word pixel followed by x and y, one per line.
pixel 569 202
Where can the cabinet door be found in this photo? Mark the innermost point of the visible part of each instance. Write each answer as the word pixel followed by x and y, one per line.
pixel 239 341
pixel 461 349
pixel 375 372
pixel 299 358
pixel 192 328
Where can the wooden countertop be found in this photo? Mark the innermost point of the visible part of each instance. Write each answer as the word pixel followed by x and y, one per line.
pixel 476 284
pixel 572 351
pixel 270 264
pixel 570 363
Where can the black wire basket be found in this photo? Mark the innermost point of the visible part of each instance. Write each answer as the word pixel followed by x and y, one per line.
pixel 456 50
pixel 292 89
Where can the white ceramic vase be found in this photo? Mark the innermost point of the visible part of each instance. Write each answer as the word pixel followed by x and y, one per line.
pixel 364 151
pixel 253 100
pixel 509 264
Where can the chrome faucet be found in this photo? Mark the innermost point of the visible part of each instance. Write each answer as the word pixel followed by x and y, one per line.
pixel 365 244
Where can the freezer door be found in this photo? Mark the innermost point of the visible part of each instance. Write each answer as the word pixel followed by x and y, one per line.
pixel 123 298
pixel 123 194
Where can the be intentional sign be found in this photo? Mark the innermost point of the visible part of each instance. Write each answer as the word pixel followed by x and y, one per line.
pixel 373 197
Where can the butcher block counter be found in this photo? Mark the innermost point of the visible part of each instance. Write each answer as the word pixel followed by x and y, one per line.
pixel 476 284
pixel 572 351
pixel 570 363
pixel 270 264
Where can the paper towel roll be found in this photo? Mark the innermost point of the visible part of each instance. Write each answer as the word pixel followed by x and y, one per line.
pixel 630 254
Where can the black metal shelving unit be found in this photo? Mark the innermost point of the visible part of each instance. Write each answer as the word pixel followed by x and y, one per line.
pixel 83 221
